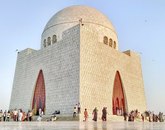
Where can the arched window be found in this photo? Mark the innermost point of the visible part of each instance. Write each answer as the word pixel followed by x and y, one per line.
pixel 44 43
pixel 54 39
pixel 49 41
pixel 110 42
pixel 105 40
pixel 114 45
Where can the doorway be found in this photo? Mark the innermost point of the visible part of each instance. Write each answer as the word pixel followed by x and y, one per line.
pixel 39 96
pixel 118 99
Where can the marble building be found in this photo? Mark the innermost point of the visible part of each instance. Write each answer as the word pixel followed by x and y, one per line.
pixel 78 62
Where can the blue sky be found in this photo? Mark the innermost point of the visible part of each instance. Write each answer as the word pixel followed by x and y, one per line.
pixel 140 25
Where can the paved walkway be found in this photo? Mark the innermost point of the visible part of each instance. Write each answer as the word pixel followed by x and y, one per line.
pixel 68 125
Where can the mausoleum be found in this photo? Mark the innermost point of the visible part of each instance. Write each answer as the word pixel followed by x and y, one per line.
pixel 79 62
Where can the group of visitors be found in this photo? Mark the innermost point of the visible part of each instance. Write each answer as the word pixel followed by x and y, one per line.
pixel 76 110
pixel 152 117
pixel 104 114
pixel 95 114
pixel 20 115
pixel 146 116
pixel 4 116
pixel 16 115
pixel 134 114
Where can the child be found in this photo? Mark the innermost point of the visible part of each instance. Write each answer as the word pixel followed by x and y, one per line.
pixel 85 114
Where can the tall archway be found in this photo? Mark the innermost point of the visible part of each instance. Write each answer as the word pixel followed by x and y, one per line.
pixel 39 96
pixel 118 98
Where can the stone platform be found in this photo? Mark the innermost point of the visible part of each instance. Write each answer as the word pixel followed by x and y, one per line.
pixel 75 125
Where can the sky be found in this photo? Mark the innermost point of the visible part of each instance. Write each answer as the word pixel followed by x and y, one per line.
pixel 140 26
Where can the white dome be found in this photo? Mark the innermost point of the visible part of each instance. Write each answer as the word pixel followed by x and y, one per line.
pixel 70 16
pixel 75 13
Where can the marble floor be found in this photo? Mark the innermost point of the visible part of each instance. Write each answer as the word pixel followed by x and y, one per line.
pixel 72 125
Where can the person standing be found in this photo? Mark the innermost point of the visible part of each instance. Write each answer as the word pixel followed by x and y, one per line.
pixel 79 108
pixel 20 115
pixel 74 112
pixel 4 115
pixel 30 114
pixel 95 114
pixel 1 115
pixel 8 116
pixel 24 117
pixel 15 113
pixel 40 112
pixel 142 115
pixel 104 114
pixel 85 115
pixel 125 116
pixel 76 108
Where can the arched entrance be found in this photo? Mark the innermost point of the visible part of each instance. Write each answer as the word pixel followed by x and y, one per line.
pixel 39 96
pixel 118 98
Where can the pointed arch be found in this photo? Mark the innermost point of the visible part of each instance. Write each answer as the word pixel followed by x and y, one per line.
pixel 39 97
pixel 118 99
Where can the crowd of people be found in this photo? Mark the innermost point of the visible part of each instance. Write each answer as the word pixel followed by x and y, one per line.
pixel 145 116
pixel 132 116
pixel 19 115
pixel 104 114
pixel 95 114
pixel 16 115
pixel 76 110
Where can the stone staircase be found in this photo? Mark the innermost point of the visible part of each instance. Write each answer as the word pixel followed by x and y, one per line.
pixel 59 118
pixel 111 118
